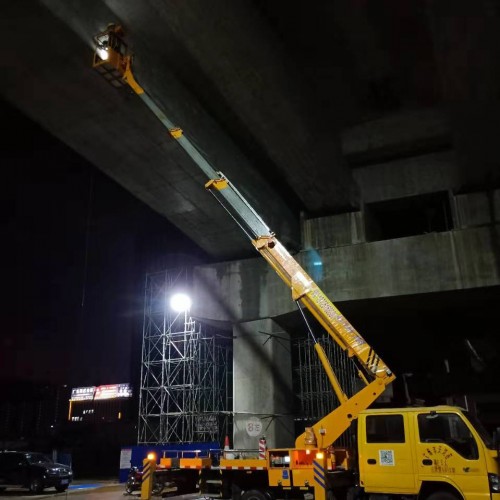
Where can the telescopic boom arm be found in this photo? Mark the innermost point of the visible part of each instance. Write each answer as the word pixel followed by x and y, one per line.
pixel 112 60
pixel 375 373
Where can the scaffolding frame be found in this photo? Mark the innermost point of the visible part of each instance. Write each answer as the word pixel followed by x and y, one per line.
pixel 185 372
pixel 315 393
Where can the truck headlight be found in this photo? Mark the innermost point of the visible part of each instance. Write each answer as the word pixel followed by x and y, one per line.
pixel 494 481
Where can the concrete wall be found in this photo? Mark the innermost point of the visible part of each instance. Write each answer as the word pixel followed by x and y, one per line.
pixel 408 177
pixel 468 210
pixel 249 289
pixel 477 209
pixel 334 231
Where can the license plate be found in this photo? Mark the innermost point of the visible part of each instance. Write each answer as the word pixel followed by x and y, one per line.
pixel 64 481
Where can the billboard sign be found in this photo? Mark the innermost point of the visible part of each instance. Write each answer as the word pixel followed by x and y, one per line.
pixel 82 393
pixel 113 391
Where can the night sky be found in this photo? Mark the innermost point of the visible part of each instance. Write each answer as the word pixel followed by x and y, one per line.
pixel 78 247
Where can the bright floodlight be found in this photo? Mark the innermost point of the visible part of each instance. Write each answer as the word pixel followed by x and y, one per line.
pixel 180 302
pixel 102 52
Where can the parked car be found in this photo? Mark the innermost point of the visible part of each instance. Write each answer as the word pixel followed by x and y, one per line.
pixel 35 471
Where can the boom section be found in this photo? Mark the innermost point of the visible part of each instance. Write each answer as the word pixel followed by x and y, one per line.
pixel 304 289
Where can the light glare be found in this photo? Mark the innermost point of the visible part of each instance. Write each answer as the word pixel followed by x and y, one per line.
pixel 180 302
pixel 103 53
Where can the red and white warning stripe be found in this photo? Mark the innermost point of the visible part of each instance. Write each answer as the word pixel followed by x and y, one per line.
pixel 262 448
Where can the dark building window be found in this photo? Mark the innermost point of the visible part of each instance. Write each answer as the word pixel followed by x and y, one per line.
pixel 402 217
pixel 385 429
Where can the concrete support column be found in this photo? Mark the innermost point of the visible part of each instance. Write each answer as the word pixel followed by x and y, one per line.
pixel 262 391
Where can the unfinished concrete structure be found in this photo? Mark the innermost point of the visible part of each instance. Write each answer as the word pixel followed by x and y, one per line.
pixel 365 137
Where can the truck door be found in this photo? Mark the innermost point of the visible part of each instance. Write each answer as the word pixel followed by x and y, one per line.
pixel 447 449
pixel 385 454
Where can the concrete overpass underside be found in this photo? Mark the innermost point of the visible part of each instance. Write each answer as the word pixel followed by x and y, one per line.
pixel 366 137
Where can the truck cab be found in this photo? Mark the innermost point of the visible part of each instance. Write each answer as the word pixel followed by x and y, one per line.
pixel 439 453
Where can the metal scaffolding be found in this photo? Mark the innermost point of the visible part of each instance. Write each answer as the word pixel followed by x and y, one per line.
pixel 315 393
pixel 185 374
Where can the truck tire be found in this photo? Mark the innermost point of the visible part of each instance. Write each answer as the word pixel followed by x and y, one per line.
pixel 235 493
pixel 442 495
pixel 254 495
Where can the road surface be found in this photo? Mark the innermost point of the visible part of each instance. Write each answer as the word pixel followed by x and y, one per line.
pixel 88 491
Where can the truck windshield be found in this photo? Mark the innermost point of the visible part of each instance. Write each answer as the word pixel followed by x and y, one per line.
pixel 483 433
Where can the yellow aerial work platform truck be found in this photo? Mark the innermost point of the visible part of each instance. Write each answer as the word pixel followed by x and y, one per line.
pixel 429 453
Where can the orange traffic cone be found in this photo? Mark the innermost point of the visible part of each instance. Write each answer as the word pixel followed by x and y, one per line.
pixel 227 448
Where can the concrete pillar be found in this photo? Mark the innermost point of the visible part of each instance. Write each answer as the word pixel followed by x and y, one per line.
pixel 262 390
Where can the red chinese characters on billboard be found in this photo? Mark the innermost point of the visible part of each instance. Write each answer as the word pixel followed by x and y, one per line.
pixel 113 391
